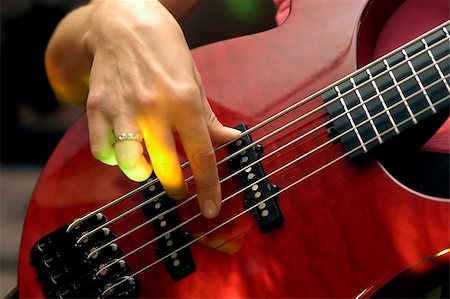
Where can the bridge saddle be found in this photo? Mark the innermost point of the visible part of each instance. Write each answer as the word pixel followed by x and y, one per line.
pixel 71 269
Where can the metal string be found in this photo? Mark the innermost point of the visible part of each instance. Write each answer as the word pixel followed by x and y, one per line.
pixel 201 236
pixel 273 133
pixel 265 137
pixel 289 164
pixel 270 119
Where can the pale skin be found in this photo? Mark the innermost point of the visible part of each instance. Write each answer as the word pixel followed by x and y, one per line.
pixel 129 63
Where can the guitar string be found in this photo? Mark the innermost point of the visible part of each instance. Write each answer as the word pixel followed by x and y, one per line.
pixel 293 141
pixel 188 221
pixel 273 133
pixel 330 142
pixel 200 214
pixel 223 180
pixel 77 221
pixel 201 236
pixel 189 179
pixel 134 229
pixel 399 83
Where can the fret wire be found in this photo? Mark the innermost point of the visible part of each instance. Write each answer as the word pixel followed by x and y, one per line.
pixel 287 165
pixel 261 124
pixel 386 109
pixel 380 96
pixel 366 110
pixel 347 112
pixel 383 102
pixel 438 68
pixel 252 207
pixel 391 74
pixel 411 66
pixel 265 177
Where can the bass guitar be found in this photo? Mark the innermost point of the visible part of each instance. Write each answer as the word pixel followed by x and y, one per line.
pixel 312 205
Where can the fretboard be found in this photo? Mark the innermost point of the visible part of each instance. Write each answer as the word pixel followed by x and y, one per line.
pixel 391 94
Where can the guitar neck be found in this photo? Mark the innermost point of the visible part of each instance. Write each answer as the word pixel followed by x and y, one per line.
pixel 391 94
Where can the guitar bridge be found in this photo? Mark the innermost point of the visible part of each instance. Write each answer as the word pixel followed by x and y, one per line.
pixel 68 268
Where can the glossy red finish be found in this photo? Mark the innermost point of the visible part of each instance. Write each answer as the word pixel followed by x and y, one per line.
pixel 346 228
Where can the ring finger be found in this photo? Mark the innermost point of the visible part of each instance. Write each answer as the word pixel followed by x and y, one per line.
pixel 129 150
pixel 162 150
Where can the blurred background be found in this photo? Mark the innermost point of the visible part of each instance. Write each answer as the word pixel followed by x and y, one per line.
pixel 32 122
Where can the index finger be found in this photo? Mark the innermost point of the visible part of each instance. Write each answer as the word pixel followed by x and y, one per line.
pixel 194 136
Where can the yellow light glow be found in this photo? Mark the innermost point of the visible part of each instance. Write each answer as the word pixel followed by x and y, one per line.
pixel 163 158
pixel 71 90
pixel 138 174
pixel 168 173
pixel 440 253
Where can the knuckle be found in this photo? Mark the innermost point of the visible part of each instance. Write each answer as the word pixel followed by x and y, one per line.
pixel 208 186
pixel 142 94
pixel 145 97
pixel 185 92
pixel 95 101
pixel 204 158
pixel 147 102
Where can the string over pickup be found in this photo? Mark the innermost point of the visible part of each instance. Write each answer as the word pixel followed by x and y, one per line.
pixel 180 262
pixel 258 189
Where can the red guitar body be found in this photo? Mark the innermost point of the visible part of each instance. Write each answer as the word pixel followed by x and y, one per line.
pixel 347 230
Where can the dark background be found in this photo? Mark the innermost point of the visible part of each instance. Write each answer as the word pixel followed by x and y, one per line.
pixel 32 122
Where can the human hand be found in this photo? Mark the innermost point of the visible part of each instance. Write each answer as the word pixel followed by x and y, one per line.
pixel 143 81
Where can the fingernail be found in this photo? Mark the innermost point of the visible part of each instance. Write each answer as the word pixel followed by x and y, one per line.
pixel 209 209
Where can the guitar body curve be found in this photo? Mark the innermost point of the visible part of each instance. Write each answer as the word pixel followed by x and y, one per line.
pixel 346 229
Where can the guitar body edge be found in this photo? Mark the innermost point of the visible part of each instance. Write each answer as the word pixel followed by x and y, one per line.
pixel 346 229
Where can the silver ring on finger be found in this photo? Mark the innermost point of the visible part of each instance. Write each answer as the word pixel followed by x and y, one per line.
pixel 128 137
